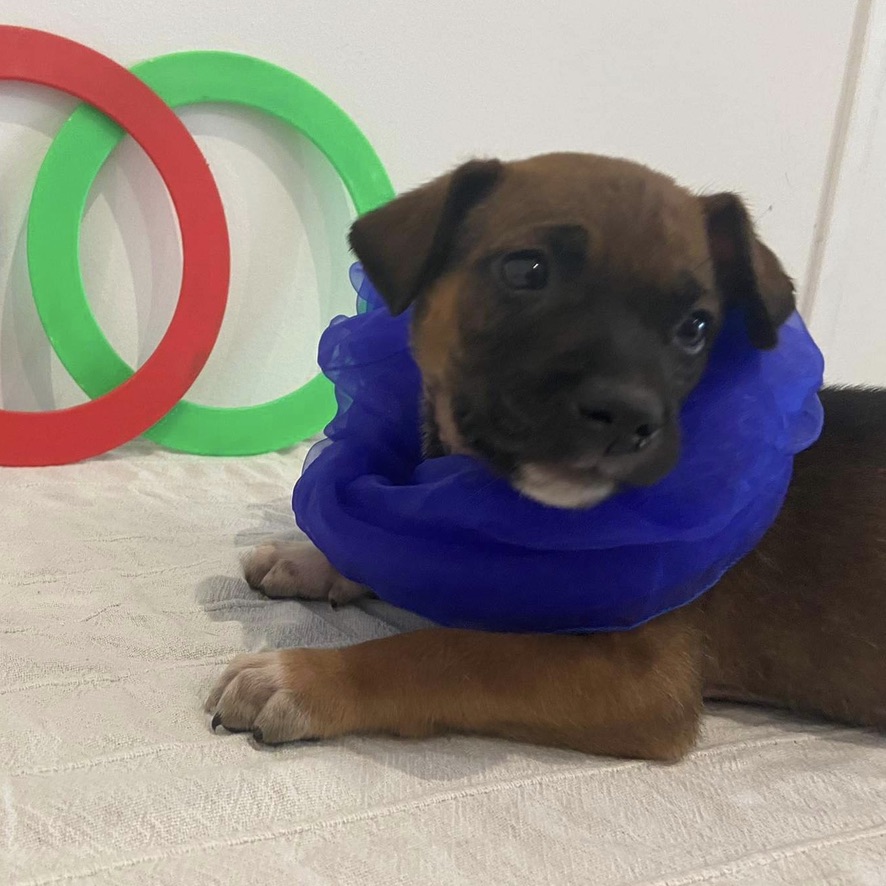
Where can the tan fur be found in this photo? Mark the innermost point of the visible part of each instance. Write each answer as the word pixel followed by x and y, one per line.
pixel 434 339
pixel 434 342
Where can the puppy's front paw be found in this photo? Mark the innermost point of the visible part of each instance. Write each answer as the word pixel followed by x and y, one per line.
pixel 281 696
pixel 298 569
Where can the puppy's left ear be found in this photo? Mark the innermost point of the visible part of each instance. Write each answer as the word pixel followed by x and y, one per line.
pixel 747 271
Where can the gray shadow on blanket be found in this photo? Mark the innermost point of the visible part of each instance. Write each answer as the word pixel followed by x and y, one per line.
pixel 280 623
pixel 276 624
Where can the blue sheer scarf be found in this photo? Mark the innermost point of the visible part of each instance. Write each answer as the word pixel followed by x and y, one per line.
pixel 448 540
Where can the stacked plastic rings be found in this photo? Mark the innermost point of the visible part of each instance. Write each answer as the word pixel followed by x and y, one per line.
pixel 140 102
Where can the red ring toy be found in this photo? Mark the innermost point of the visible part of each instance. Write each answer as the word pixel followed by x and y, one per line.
pixel 68 435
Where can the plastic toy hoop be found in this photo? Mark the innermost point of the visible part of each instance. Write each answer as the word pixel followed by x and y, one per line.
pixel 68 435
pixel 74 159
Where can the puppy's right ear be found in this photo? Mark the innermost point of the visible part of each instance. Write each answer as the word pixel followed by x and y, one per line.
pixel 405 244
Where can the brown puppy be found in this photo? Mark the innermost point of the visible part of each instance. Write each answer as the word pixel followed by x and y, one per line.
pixel 564 308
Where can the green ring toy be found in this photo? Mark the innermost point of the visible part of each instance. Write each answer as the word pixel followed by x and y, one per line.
pixel 59 201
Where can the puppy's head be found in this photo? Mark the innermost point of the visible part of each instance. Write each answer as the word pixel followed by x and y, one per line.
pixel 564 309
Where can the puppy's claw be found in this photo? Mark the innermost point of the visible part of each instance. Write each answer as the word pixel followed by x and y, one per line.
pixel 258 736
pixel 216 722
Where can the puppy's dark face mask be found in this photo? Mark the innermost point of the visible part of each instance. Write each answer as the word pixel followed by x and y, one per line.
pixel 564 307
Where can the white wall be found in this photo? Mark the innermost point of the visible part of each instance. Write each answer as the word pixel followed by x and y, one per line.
pixel 847 298
pixel 736 94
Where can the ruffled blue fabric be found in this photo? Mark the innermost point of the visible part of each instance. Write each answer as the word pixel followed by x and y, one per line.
pixel 447 539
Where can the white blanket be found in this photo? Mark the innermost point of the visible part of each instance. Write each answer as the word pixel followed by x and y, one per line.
pixel 120 601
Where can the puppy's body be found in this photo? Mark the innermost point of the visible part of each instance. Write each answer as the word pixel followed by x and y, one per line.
pixel 801 621
pixel 615 265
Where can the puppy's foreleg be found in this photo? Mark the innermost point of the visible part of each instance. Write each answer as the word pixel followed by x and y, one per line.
pixel 633 694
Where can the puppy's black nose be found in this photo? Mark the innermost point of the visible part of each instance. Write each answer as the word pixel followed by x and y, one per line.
pixel 624 418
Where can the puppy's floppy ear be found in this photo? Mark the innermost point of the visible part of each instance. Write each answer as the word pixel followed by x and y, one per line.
pixel 747 271
pixel 404 244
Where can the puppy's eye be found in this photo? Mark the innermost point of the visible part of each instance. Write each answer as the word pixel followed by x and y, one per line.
pixel 527 269
pixel 692 334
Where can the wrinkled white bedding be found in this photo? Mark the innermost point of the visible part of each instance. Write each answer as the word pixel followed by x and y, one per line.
pixel 120 600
